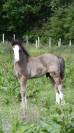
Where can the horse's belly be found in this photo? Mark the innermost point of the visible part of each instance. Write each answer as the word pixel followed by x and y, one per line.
pixel 39 71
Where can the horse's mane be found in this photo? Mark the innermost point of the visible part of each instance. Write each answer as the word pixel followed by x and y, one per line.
pixel 13 43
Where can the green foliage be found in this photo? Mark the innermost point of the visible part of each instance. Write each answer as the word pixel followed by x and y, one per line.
pixel 35 18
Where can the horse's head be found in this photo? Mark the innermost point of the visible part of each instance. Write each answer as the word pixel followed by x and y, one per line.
pixel 16 46
pixel 18 50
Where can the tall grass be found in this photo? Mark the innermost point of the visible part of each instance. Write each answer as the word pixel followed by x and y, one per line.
pixel 42 115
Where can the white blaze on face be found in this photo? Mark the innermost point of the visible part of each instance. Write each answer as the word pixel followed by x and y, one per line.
pixel 16 53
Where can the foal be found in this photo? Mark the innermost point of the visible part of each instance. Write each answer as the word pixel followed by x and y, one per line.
pixel 27 67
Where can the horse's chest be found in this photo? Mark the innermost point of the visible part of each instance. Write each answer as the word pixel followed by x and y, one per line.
pixel 19 70
pixel 16 70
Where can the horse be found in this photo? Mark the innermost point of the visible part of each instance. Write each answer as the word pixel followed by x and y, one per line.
pixel 27 67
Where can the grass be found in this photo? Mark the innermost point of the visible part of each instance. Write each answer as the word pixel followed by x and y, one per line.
pixel 42 115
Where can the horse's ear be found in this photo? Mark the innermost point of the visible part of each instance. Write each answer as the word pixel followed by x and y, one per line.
pixel 11 42
pixel 17 41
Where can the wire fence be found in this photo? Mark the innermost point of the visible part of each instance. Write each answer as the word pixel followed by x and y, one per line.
pixel 38 43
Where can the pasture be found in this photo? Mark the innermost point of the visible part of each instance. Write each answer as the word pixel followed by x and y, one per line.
pixel 42 115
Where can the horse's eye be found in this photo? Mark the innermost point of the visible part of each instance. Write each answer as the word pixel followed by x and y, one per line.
pixel 19 50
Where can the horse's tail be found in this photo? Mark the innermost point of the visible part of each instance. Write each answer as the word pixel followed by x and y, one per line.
pixel 62 66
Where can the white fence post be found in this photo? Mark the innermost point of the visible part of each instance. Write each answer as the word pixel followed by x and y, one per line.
pixel 70 43
pixel 3 38
pixel 50 42
pixel 59 42
pixel 36 44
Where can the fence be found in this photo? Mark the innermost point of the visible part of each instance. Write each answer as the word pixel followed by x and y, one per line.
pixel 38 41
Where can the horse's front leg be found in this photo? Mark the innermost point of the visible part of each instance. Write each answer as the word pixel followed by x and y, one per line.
pixel 23 91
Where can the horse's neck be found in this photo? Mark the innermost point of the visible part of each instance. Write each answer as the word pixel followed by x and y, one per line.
pixel 24 58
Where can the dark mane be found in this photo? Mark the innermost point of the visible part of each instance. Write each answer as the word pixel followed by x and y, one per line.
pixel 20 44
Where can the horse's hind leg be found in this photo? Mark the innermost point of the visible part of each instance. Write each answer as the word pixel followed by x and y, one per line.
pixel 59 93
pixel 22 80
pixel 58 88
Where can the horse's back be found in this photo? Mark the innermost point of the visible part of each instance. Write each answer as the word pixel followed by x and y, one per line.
pixel 48 61
pixel 48 58
pixel 51 61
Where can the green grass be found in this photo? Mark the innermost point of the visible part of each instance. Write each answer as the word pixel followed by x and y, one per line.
pixel 42 115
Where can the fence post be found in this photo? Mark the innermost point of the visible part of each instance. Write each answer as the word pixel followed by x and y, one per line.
pixel 3 38
pixel 50 42
pixel 27 41
pixel 38 42
pixel 70 43
pixel 59 42
pixel 14 37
